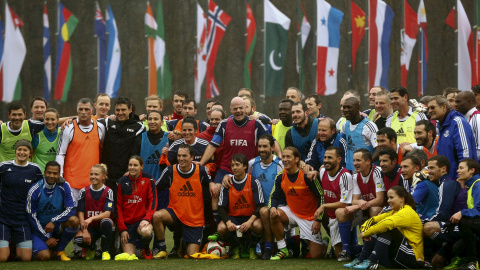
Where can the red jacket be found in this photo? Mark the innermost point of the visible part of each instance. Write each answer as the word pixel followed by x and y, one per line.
pixel 208 135
pixel 134 206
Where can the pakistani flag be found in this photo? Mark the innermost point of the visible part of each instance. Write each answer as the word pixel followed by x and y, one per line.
pixel 276 27
pixel 164 77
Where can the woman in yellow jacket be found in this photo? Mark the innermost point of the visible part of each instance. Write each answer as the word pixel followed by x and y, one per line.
pixel 398 234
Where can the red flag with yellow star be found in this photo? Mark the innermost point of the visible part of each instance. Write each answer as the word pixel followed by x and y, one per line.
pixel 358 29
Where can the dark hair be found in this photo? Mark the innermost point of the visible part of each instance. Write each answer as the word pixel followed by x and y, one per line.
pixel 85 101
pixel 400 90
pixel 218 103
pixel 137 157
pixel 268 137
pixel 317 98
pixel 188 147
pixel 440 101
pixel 419 154
pixel 124 100
pixel 212 100
pixel 403 193
pixel 338 150
pixel 366 155
pixel 52 110
pixel 52 163
pixel 287 101
pixel 472 164
pixel 476 89
pixel 392 154
pixel 332 123
pixel 16 105
pixel 180 94
pixel 247 89
pixel 389 132
pixel 40 99
pixel 441 161
pixel 295 152
pixel 450 90
pixel 302 103
pixel 415 161
pixel 155 111
pixel 240 157
pixel 219 110
pixel 188 101
pixel 428 127
pixel 190 120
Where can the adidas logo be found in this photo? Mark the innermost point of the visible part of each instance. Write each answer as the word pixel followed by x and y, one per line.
pixel 9 170
pixel 262 178
pixel 48 206
pixel 242 203
pixel 186 190
pixel 401 133
pixel 51 152
pixel 49 209
pixel 153 159
pixel 292 192
pixel 350 145
pixel 87 138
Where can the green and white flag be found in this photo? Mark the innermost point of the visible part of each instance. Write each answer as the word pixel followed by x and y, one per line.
pixel 276 40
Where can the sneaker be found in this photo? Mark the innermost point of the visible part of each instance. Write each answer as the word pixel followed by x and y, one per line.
pixel 173 253
pixel 258 250
pixel 77 254
pixel 456 262
pixel 373 266
pixel 213 237
pixel 133 257
pixel 123 257
pixel 352 264
pixel 472 265
pixel 90 254
pixel 147 254
pixel 155 251
pixel 267 254
pixel 236 253
pixel 344 257
pixel 362 265
pixel 161 255
pixel 281 254
pixel 245 252
pixel 139 253
pixel 106 256
pixel 253 254
pixel 330 254
pixel 98 254
pixel 63 256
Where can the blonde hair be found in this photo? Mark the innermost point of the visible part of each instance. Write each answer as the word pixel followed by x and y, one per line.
pixel 102 167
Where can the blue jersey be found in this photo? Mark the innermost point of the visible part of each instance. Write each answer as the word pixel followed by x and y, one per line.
pixel 266 176
pixel 15 181
pixel 47 204
pixel 151 154
pixel 199 146
pixel 317 150
pixel 355 141
pixel 425 195
pixel 303 143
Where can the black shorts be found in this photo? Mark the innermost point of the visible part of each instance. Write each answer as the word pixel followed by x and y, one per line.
pixel 132 230
pixel 191 235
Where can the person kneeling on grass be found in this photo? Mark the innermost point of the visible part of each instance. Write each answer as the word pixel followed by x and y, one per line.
pixel 303 197
pixel 399 234
pixel 136 203
pixel 51 213
pixel 239 208
pixel 185 182
pixel 95 206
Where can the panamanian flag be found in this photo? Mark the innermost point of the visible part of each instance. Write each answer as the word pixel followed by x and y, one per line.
pixel 329 20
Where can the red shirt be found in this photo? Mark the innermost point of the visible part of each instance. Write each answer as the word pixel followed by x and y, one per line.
pixel 135 204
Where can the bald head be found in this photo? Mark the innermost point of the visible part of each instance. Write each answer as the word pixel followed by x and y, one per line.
pixel 464 102
pixel 237 108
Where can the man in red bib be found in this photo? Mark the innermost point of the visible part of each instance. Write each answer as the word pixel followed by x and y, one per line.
pixel 303 198
pixel 185 182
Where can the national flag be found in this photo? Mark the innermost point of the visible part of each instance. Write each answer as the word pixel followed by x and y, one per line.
pixel 47 57
pixel 303 30
pixel 422 64
pixel 114 62
pixel 276 40
pixel 408 37
pixel 328 46
pixel 357 21
pixel 151 32
pixel 218 21
pixel 201 53
pixel 164 77
pixel 465 49
pixel 63 67
pixel 380 23
pixel 100 33
pixel 14 52
pixel 251 40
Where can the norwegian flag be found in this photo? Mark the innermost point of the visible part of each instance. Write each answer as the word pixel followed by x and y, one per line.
pixel 218 21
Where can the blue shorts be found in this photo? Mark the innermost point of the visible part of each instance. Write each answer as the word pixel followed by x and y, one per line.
pixel 162 199
pixel 16 234
pixel 39 244
pixel 191 235
pixel 238 220
pixel 220 174
pixel 132 230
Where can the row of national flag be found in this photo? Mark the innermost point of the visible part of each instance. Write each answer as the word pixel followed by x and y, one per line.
pixel 210 30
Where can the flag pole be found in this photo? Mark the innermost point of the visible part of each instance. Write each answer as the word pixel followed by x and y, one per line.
pixel 4 104
pixel 264 53
pixel 475 31
pixel 97 68
pixel 402 32
pixel 456 40
pixel 367 31
pixel 147 67
pixel 57 104
pixel 420 89
pixel 350 61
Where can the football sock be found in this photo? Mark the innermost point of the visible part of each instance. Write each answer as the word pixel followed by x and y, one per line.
pixel 345 235
pixel 161 245
pixel 146 241
pixel 67 236
pixel 106 226
pixel 216 217
pixel 281 244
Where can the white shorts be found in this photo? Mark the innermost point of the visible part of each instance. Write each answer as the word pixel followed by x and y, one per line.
pixel 305 226
pixel 334 231
pixel 75 194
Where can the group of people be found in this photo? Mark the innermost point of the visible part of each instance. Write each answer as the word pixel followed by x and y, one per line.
pixel 403 172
